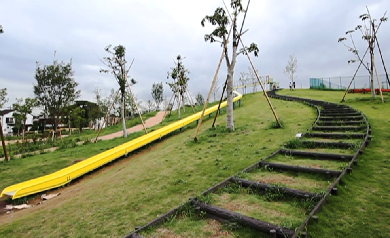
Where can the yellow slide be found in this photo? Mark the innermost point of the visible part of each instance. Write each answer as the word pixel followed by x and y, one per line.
pixel 66 175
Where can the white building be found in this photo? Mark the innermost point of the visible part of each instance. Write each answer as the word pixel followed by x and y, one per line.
pixel 8 121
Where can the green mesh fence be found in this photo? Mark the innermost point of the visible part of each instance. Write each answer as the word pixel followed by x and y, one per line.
pixel 341 83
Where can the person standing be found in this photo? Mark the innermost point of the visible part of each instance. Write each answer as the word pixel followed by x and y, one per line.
pixel 294 85
pixel 290 86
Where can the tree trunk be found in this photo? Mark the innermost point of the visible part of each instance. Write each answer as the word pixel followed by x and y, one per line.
pixel 70 131
pixel 23 130
pixel 229 106
pixel 178 109
pixel 184 104
pixel 372 73
pixel 123 117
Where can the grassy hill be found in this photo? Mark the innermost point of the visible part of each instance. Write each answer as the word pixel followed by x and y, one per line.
pixel 135 190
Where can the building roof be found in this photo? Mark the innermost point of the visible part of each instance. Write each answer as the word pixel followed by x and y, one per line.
pixel 6 111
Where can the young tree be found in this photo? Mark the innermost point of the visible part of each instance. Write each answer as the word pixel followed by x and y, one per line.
pixel 242 80
pixel 180 81
pixel 369 34
pixel 149 105
pixel 3 97
pixel 157 94
pixel 251 76
pixel 132 103
pixel 77 118
pixel 117 64
pixel 291 68
pixel 22 109
pixel 55 88
pixel 199 99
pixel 220 34
pixel 215 89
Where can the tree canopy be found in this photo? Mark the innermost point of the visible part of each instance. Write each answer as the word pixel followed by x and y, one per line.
pixel 157 93
pixel 22 109
pixel 3 97
pixel 55 88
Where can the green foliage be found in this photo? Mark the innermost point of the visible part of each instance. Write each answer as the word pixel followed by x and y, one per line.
pixel 3 96
pixel 55 88
pixel 199 99
pixel 179 86
pixel 158 93
pixel 208 198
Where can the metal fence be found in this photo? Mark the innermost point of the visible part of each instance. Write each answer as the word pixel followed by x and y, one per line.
pixel 341 83
pixel 252 85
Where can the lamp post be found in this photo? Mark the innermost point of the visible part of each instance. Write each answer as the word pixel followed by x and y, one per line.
pixel 1 128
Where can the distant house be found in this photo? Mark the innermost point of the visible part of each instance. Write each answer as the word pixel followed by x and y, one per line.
pixel 8 121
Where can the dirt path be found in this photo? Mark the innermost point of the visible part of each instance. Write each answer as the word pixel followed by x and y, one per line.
pixel 148 123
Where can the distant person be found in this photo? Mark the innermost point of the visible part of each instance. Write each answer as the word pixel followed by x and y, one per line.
pixel 294 85
pixel 290 86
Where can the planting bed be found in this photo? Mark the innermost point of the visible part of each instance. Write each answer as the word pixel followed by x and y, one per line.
pixel 279 195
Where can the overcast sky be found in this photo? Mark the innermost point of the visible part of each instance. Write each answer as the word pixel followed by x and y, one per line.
pixel 155 32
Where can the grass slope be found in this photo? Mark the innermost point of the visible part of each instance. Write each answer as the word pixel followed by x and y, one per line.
pixel 135 190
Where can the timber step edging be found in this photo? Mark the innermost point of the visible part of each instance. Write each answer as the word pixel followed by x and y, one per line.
pixel 242 219
pixel 285 167
pixel 266 187
pixel 335 135
pixel 317 155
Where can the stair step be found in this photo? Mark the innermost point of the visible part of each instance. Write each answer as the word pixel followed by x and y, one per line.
pixel 231 216
pixel 331 123
pixel 344 118
pixel 299 169
pixel 317 155
pixel 341 114
pixel 323 144
pixel 266 187
pixel 336 135
pixel 339 128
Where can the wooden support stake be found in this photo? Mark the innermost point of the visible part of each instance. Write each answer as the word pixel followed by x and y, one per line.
pixel 272 233
pixel 379 85
pixel 190 100
pixel 261 84
pixel 3 142
pixel 135 103
pixel 106 117
pixel 212 85
pixel 349 170
pixel 165 113
pixel 361 62
pixel 220 101
pixel 383 62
